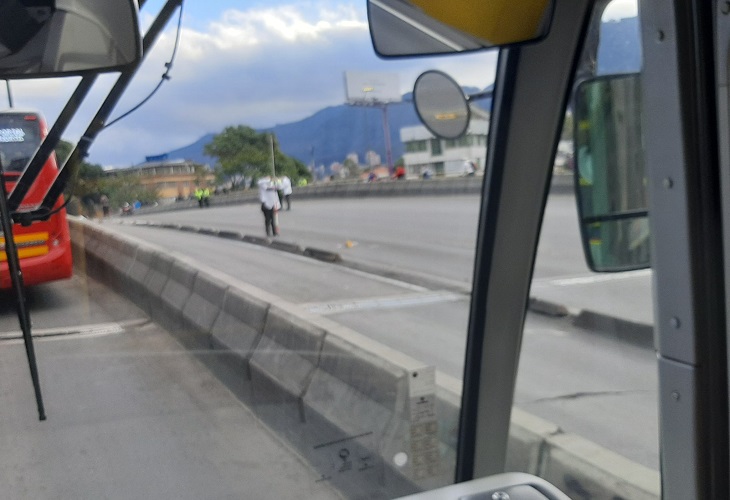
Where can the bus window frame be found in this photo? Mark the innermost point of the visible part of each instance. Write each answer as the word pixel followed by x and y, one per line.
pixel 529 102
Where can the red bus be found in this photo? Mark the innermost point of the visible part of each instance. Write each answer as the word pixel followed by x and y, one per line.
pixel 44 247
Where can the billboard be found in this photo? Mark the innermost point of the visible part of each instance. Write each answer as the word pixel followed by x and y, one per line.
pixel 369 87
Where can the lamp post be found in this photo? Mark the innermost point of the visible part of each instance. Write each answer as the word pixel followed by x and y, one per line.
pixel 273 164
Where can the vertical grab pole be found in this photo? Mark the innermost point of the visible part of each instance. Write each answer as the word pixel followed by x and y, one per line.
pixel 16 278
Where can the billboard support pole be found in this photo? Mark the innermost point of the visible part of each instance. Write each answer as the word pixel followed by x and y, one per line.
pixel 377 90
pixel 386 131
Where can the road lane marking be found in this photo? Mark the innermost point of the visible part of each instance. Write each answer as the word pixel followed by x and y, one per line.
pixel 394 302
pixel 63 332
pixel 593 278
pixel 545 331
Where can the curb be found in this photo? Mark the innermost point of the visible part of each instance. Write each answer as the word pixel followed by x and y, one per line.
pixel 286 247
pixel 323 255
pixel 547 308
pixel 623 330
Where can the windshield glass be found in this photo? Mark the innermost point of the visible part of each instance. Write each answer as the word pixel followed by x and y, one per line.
pixel 273 266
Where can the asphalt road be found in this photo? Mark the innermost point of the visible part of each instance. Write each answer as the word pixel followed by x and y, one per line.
pixel 586 383
pixel 131 412
pixel 433 237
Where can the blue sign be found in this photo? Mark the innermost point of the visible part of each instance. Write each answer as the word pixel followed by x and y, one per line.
pixel 156 158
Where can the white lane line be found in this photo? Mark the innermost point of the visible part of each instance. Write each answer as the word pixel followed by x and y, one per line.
pixel 545 331
pixel 95 330
pixel 383 279
pixel 395 302
pixel 593 278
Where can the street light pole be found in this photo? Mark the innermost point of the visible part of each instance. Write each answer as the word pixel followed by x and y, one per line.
pixel 273 164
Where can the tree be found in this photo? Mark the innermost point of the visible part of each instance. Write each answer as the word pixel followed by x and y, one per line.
pixel 244 153
pixel 241 152
pixel 84 181
pixel 352 168
pixel 88 183
pixel 126 188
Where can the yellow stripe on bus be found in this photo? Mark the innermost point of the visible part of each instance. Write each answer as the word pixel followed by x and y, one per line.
pixel 29 245
pixel 24 238
pixel 26 252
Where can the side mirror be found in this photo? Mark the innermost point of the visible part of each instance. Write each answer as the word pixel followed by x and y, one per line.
pixel 610 174
pixel 441 105
pixel 421 27
pixel 67 37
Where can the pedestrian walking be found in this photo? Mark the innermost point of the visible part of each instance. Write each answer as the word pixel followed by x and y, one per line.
pixel 286 191
pixel 269 205
pixel 104 205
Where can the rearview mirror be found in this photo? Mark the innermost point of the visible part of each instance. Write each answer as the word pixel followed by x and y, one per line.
pixel 441 105
pixel 610 174
pixel 423 27
pixel 67 37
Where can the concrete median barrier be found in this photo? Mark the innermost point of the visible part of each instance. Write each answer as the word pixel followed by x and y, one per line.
pixel 256 240
pixel 231 235
pixel 239 327
pixel 178 289
pixel 155 279
pixel 324 255
pixel 583 469
pixel 204 304
pixel 135 284
pixel 287 246
pixel 327 388
pixel 282 367
pixel 561 183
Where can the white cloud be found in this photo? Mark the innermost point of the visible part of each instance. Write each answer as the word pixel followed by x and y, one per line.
pixel 260 67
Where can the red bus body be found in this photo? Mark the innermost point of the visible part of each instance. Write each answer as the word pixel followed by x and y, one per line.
pixel 44 247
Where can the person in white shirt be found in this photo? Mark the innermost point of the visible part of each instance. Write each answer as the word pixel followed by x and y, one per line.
pixel 468 169
pixel 269 205
pixel 285 189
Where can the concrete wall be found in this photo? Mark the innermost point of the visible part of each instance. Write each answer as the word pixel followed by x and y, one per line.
pixel 326 388
pixel 357 189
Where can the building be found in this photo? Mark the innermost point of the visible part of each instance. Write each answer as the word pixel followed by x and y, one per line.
pixel 372 159
pixel 445 157
pixel 172 179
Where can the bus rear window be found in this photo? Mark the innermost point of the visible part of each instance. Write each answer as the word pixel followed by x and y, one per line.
pixel 19 139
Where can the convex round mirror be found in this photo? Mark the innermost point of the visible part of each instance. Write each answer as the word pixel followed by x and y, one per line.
pixel 441 105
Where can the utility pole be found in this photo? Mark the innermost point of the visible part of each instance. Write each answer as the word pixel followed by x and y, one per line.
pixel 273 164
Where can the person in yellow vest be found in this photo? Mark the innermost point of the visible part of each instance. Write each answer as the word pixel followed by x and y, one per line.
pixel 206 197
pixel 199 196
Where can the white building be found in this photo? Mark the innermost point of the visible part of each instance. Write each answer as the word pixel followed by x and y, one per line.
pixel 445 157
pixel 372 159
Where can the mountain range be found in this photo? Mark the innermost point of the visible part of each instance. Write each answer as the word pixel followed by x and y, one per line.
pixel 329 135
pixel 332 133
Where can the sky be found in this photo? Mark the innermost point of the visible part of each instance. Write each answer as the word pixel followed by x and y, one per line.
pixel 255 63
pixel 240 62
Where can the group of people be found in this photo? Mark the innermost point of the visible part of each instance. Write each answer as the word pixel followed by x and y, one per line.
pixel 273 192
pixel 203 196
